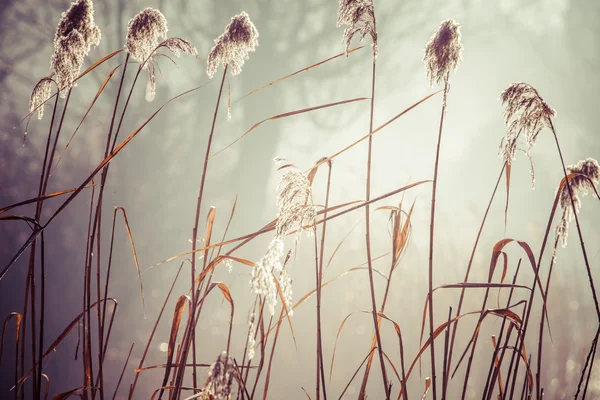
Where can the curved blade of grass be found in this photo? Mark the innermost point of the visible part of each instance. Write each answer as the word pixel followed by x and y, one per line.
pixel 61 337
pixel 288 114
pixel 271 225
pixel 441 328
pixel 98 93
pixel 177 315
pixel 379 128
pixel 298 72
pixel 135 258
pixel 36 199
pixel 18 317
pixel 104 162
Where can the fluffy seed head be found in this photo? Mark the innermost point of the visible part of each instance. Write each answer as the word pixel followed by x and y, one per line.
pixel 41 93
pixel 79 17
pixel 232 47
pixel 264 272
pixel 525 113
pixel 588 176
pixel 143 34
pixel 67 59
pixel 443 52
pixel 251 339
pixel 294 200
pixel 75 35
pixel 221 377
pixel 359 16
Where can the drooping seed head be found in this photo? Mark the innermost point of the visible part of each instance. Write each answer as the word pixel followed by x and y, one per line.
pixel 588 175
pixel 67 59
pixel 144 33
pixel 221 377
pixel 41 93
pixel 443 52
pixel 525 115
pixel 232 47
pixel 79 17
pixel 264 272
pixel 359 16
pixel 75 35
pixel 295 204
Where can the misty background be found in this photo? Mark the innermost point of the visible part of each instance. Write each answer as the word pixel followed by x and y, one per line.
pixel 552 45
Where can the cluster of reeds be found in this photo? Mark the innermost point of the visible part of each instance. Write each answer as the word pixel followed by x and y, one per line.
pixel 242 375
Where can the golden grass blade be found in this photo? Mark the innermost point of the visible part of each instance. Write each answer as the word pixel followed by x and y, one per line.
pixel 337 336
pixel 427 386
pixel 18 317
pixel 135 258
pixel 497 364
pixel 512 317
pixel 297 72
pixel 306 393
pixel 100 90
pixel 285 308
pixel 287 114
pixel 177 314
pixel 61 337
pixel 340 244
pixel 379 128
pixel 138 370
pixel 36 199
pixel 401 235
pixel 104 162
pixel 69 393
pixel 271 226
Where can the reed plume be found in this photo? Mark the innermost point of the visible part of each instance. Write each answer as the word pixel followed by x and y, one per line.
pixel 443 53
pixel 359 16
pixel 588 174
pixel 232 47
pixel 75 35
pixel 221 377
pixel 296 213
pixel 41 93
pixel 525 113
pixel 144 33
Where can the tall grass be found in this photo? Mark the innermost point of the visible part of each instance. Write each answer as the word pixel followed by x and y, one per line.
pixel 245 370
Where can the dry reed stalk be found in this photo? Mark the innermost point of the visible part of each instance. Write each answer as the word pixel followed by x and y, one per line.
pixel 359 16
pixel 470 264
pixel 443 53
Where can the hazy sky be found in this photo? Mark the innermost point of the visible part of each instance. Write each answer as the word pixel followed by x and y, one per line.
pixel 553 45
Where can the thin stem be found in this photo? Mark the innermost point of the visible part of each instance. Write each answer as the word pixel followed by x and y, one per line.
pixel 368 239
pixel 181 371
pixel 585 257
pixel 541 332
pixel 431 231
pixel 320 367
pixel 462 292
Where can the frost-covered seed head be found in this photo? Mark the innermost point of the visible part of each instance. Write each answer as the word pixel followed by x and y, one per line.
pixel 525 113
pixel 41 93
pixel 262 280
pixel 221 377
pixel 75 35
pixel 359 16
pixel 295 204
pixel 443 52
pixel 251 339
pixel 588 175
pixel 232 47
pixel 79 17
pixel 67 59
pixel 143 34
